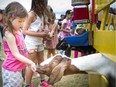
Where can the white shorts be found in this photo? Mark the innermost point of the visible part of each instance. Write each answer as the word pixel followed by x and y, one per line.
pixel 37 48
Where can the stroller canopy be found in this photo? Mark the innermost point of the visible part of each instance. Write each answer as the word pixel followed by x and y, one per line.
pixel 79 40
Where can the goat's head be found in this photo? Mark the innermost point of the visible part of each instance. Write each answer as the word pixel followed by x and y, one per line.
pixel 47 68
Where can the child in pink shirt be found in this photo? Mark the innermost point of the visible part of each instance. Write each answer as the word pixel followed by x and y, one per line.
pixel 14 47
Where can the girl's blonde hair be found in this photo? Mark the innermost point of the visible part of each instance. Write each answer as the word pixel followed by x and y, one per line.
pixel 52 14
pixel 13 10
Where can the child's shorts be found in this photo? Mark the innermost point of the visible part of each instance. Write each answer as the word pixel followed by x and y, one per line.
pixel 36 48
pixel 12 79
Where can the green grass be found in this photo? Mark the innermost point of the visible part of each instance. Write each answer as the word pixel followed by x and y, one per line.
pixel 0 75
pixel 2 51
pixel 2 54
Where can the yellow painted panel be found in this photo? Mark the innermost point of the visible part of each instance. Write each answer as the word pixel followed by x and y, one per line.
pixel 105 43
pixel 96 80
pixel 101 4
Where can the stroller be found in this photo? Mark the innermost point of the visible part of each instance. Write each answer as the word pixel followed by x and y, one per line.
pixel 79 43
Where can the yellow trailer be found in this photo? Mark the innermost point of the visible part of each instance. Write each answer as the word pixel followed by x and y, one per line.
pixel 104 39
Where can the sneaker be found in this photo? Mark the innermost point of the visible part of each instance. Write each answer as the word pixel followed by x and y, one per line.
pixel 29 86
pixel 45 84
pixel 49 86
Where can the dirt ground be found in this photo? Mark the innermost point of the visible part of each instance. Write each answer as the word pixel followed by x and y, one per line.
pixel 0 76
pixel 76 80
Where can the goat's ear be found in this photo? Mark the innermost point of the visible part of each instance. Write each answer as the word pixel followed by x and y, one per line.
pixel 41 71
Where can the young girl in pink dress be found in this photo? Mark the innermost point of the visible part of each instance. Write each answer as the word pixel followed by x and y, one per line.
pixel 51 44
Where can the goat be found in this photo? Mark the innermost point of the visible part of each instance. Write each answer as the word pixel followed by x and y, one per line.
pixel 59 65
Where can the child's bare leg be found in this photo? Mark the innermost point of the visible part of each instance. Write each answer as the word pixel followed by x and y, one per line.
pixel 49 53
pixel 53 52
pixel 29 72
pixel 41 59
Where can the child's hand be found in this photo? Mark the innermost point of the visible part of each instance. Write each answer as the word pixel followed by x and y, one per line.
pixel 71 30
pixel 51 33
pixel 43 34
pixel 47 38
pixel 46 31
pixel 33 66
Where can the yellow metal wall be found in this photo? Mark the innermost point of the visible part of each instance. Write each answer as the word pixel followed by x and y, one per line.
pixel 104 40
pixel 105 43
pixel 97 80
pixel 101 4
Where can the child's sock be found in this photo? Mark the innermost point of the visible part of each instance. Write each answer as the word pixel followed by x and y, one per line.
pixel 27 85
